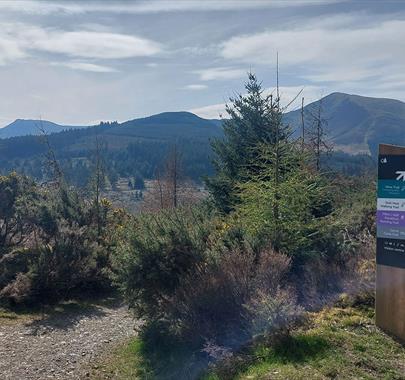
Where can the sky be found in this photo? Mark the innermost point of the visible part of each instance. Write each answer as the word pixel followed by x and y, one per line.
pixel 77 63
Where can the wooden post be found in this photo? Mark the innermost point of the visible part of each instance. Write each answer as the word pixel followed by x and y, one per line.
pixel 390 278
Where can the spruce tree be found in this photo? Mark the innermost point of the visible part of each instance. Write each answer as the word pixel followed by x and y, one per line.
pixel 254 120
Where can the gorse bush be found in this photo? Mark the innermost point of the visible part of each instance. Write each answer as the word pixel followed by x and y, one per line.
pixel 156 252
pixel 52 246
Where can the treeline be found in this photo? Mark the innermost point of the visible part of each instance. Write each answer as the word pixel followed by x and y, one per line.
pixel 134 159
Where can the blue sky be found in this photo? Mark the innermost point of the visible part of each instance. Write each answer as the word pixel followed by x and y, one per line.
pixel 82 62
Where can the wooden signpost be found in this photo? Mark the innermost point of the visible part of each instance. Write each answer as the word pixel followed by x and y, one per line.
pixel 390 280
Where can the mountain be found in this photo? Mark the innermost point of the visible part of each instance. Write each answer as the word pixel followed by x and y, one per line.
pixel 133 148
pixel 356 124
pixel 22 127
pixel 168 125
pixel 161 126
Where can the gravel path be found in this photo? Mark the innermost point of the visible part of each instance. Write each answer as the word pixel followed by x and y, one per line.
pixel 62 344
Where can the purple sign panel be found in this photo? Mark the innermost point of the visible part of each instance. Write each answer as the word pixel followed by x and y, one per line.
pixel 391 218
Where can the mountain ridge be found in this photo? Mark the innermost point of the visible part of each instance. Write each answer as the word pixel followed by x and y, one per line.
pixel 355 124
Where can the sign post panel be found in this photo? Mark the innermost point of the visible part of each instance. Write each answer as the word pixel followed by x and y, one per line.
pixel 390 258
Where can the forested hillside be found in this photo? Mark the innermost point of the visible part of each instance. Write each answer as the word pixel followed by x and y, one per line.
pixel 136 148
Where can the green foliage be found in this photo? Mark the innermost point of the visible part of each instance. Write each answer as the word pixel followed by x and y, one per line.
pixel 254 119
pixel 285 203
pixel 53 245
pixel 17 199
pixel 156 252
pixel 139 183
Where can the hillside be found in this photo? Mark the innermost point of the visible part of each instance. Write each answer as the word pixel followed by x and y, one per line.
pixel 135 147
pixel 160 126
pixel 22 127
pixel 357 124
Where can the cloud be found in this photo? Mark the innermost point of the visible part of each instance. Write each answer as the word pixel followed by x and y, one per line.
pixel 20 40
pixel 96 45
pixel 344 49
pixel 85 66
pixel 148 6
pixel 10 50
pixel 220 73
pixel 4 121
pixel 195 87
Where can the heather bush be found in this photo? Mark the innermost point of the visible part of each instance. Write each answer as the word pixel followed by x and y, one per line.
pixel 218 303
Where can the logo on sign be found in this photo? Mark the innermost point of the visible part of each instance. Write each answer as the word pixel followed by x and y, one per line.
pixel 401 175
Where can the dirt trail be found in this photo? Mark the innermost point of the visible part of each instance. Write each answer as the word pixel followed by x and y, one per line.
pixel 60 345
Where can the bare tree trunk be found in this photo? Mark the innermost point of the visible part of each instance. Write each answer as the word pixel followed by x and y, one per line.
pixel 175 176
pixel 160 189
pixel 98 186
pixel 50 156
pixel 318 137
pixel 302 124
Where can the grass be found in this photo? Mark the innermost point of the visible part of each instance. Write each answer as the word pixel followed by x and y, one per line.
pixel 125 363
pixel 340 343
pixel 149 357
pixel 8 317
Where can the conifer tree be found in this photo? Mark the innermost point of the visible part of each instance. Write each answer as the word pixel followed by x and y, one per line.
pixel 254 119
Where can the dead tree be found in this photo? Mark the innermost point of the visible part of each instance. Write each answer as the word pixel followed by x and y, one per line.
pixel 302 125
pixel 318 139
pixel 173 173
pixel 98 180
pixel 170 188
pixel 50 157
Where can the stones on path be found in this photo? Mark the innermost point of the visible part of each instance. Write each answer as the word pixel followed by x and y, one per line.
pixel 60 346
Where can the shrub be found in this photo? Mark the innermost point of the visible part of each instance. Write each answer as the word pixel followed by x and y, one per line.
pixel 219 301
pixel 178 274
pixel 156 252
pixel 18 290
pixel 53 244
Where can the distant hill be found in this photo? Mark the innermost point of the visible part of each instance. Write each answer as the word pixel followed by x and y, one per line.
pixel 133 148
pixel 168 125
pixel 23 127
pixel 165 125
pixel 357 124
